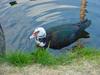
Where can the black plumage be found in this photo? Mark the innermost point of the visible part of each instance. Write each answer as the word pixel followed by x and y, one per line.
pixel 61 36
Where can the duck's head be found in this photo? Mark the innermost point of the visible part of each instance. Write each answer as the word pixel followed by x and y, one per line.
pixel 39 32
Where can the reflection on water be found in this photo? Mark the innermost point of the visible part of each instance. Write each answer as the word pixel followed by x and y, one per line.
pixel 18 21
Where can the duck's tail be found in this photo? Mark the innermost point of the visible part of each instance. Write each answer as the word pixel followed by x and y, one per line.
pixel 84 24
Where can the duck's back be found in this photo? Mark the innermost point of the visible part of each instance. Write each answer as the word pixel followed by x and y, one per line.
pixel 63 35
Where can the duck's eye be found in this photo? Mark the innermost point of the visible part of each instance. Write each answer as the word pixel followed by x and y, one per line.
pixel 35 33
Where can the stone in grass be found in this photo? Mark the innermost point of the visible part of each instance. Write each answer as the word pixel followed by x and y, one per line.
pixel 13 3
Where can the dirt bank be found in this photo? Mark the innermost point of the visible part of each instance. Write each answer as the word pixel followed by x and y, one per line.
pixel 84 68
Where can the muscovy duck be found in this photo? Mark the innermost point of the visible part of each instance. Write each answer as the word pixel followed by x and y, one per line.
pixel 60 36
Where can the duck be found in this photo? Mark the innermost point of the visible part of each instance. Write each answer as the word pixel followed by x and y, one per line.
pixel 60 36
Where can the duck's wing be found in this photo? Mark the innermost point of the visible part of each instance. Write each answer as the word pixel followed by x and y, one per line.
pixel 63 35
pixel 60 39
pixel 77 26
pixel 63 27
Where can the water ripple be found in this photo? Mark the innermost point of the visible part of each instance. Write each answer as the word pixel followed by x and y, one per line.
pixel 20 20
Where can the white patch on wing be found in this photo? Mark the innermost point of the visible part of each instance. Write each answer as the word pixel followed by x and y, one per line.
pixel 41 44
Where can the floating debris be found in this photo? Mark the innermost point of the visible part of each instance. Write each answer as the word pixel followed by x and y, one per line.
pixel 13 3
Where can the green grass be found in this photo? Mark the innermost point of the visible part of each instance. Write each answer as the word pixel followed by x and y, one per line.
pixel 19 58
pixel 87 53
pixel 43 57
pixel 78 55
pixel 2 59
